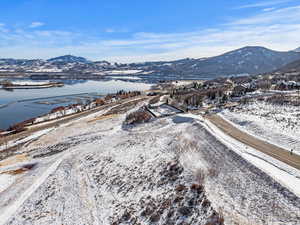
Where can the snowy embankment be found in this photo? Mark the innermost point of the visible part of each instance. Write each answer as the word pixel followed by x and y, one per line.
pixel 279 125
pixel 31 137
pixel 126 77
pixel 6 180
pixel 168 171
pixel 282 173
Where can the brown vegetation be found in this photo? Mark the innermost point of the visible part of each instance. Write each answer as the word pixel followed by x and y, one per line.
pixel 140 116
pixel 23 169
pixel 99 102
pixel 58 109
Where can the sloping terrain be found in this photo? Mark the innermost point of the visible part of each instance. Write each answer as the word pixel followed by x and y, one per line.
pixel 168 171
pixel 247 60
pixel 297 49
pixel 294 66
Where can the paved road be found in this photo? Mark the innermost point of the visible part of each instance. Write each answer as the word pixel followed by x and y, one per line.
pixel 265 147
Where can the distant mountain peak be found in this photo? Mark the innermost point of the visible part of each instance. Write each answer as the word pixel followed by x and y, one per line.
pixel 69 59
pixel 297 50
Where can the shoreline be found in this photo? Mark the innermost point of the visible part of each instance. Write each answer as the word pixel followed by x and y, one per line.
pixel 32 86
pixel 31 129
pixel 76 114
pixel 44 98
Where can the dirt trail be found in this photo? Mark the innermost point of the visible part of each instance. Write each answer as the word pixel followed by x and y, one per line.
pixel 265 147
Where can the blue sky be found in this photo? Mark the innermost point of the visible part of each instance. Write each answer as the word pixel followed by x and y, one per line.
pixel 136 30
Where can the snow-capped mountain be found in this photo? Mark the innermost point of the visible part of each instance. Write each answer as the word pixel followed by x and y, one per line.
pixel 67 63
pixel 297 50
pixel 247 60
pixel 68 59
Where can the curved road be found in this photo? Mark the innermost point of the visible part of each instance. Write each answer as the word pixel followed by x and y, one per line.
pixel 263 146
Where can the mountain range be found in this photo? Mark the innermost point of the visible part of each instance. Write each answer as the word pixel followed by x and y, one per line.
pixel 297 49
pixel 247 60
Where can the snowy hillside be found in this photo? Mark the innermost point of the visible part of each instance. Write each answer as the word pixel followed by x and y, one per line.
pixel 172 170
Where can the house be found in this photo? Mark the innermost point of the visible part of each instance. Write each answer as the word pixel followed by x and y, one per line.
pixel 287 85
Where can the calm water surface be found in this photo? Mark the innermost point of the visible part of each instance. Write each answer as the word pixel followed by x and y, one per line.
pixel 19 105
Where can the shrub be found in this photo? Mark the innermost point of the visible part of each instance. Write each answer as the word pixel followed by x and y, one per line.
pixel 140 116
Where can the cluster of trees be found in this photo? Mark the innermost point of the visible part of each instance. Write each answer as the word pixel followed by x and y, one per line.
pixel 278 99
pixel 6 83
pixel 128 94
pixel 286 86
pixel 19 127
pixel 197 85
pixel 263 84
pixel 196 98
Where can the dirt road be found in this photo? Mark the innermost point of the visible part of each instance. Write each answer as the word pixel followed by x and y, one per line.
pixel 265 147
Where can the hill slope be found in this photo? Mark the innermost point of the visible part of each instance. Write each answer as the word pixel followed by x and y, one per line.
pixel 168 171
pixel 250 60
pixel 294 66
pixel 68 59
pixel 297 50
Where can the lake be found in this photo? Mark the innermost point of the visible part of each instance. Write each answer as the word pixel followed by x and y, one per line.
pixel 22 104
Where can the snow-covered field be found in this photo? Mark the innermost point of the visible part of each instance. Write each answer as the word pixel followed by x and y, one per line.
pixel 168 171
pixel 5 181
pixel 276 124
pixel 31 137
pixel 182 82
pixel 125 72
pixel 126 77
pixel 31 82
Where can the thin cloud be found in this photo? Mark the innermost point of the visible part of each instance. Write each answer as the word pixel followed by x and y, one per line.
pixel 3 29
pixel 36 24
pixel 114 30
pixel 264 4
pixel 288 15
pixel 110 30
pixel 264 29
pixel 269 9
